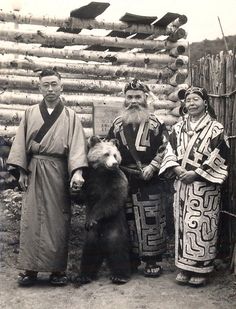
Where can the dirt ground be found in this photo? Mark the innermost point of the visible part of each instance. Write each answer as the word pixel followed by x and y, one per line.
pixel 138 293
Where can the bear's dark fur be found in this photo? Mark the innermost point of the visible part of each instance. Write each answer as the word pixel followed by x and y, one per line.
pixel 105 189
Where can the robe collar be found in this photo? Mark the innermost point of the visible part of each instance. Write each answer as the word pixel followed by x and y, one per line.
pixel 131 137
pixel 203 122
pixel 55 113
pixel 49 119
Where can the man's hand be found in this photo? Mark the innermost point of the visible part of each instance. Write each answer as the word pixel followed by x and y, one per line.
pixel 179 170
pixel 188 177
pixel 77 180
pixel 148 172
pixel 23 180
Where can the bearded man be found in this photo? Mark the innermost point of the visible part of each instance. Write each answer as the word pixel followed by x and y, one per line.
pixel 142 143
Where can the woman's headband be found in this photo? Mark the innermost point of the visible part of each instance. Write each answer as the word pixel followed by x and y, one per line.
pixel 199 91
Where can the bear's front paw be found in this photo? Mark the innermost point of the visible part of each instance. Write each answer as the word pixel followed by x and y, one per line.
pixel 90 224
pixel 119 279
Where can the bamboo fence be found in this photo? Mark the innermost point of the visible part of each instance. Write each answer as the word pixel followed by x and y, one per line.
pixel 218 75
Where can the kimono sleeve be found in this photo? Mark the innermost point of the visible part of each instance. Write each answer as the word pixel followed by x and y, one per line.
pixel 77 154
pixel 18 154
pixel 215 167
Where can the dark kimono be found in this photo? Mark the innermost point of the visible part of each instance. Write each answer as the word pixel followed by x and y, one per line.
pixel 145 209
pixel 197 205
pixel 50 148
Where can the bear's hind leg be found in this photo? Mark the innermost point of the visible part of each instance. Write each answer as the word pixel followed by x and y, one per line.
pixel 118 256
pixel 91 259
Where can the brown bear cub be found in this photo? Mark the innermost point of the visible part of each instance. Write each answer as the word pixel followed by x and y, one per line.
pixel 105 189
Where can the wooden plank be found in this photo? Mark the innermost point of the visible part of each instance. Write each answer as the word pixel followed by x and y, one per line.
pixel 166 19
pixel 138 19
pixel 90 11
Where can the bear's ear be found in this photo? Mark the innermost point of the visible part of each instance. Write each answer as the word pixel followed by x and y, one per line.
pixel 93 140
pixel 115 142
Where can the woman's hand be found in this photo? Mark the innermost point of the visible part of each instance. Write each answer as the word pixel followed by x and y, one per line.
pixel 188 177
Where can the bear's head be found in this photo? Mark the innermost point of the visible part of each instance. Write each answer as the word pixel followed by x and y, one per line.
pixel 103 153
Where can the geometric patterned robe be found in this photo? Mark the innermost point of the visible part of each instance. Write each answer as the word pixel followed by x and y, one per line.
pixel 145 208
pixel 197 205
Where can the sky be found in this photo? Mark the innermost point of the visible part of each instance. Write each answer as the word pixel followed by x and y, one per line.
pixel 202 14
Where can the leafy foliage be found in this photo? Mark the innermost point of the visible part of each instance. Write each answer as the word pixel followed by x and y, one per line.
pixel 212 47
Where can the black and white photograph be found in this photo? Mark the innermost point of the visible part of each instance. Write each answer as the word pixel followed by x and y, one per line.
pixel 117 154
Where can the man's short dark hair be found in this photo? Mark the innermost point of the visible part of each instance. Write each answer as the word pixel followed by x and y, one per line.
pixel 49 72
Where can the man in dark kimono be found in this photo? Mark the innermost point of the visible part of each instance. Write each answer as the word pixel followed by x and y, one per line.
pixel 49 151
pixel 142 142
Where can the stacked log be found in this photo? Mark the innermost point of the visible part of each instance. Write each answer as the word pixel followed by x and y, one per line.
pixel 94 68
pixel 167 107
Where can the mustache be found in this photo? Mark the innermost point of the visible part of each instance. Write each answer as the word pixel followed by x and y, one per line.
pixel 133 106
pixel 136 106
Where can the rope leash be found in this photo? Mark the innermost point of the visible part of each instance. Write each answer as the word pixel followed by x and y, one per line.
pixel 228 213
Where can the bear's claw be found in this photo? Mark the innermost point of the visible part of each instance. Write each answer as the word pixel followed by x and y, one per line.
pixel 80 280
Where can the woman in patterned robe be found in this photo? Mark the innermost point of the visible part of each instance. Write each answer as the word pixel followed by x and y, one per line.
pixel 197 152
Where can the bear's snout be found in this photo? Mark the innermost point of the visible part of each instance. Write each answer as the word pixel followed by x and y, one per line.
pixel 112 162
pixel 104 155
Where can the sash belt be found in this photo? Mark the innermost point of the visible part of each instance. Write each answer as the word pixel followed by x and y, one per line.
pixel 50 157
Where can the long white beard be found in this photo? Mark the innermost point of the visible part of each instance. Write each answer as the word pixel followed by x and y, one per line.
pixel 135 115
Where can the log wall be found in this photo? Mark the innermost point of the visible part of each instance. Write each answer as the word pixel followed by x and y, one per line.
pixel 94 68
